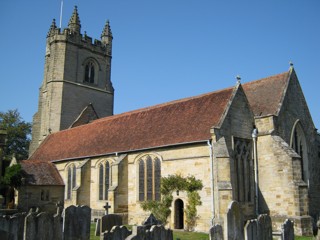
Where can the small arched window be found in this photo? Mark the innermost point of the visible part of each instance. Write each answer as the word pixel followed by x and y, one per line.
pixel 104 180
pixel 71 180
pixel 89 73
pixel 149 170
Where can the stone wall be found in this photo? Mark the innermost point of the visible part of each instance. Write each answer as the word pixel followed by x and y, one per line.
pixel 43 197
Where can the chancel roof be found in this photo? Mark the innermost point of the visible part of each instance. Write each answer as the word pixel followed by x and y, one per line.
pixel 265 95
pixel 41 173
pixel 184 121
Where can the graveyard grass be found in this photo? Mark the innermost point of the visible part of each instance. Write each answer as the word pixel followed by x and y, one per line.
pixel 182 235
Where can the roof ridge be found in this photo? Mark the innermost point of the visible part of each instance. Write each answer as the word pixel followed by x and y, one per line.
pixel 160 105
pixel 265 78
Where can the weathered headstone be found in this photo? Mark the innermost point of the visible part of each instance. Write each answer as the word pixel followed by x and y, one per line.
pixel 216 232
pixel 151 220
pixel 116 233
pixel 234 222
pixel 138 232
pixel 42 226
pixel 76 223
pixel 251 230
pixel 57 226
pixel 158 232
pixel 287 230
pixel 16 225
pixel 97 230
pixel 108 221
pixel 318 225
pixel 264 227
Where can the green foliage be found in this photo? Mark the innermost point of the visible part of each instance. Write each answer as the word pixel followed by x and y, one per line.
pixel 12 176
pixel 191 210
pixel 18 138
pixel 161 209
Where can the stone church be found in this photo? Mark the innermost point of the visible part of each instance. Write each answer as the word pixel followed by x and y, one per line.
pixel 254 143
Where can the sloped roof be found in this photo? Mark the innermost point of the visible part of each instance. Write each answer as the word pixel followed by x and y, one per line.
pixel 177 122
pixel 183 121
pixel 265 95
pixel 41 173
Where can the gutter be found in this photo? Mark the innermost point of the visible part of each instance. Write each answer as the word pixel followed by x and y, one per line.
pixel 125 152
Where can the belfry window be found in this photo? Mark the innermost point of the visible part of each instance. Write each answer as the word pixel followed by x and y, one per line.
pixel 149 170
pixel 104 180
pixel 71 180
pixel 243 165
pixel 89 72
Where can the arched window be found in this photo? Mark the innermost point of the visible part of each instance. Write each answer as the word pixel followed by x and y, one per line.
pixel 149 170
pixel 71 180
pixel 243 166
pixel 104 180
pixel 298 143
pixel 89 72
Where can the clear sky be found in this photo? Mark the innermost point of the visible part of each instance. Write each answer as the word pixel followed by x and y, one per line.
pixel 169 49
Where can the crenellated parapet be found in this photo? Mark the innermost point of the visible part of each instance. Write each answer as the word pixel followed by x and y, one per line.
pixel 73 35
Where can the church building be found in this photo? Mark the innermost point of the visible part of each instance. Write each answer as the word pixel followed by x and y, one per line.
pixel 254 143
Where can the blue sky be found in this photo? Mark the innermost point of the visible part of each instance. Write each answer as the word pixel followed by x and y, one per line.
pixel 169 49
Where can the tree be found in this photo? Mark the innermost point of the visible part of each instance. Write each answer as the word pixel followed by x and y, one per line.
pixel 18 138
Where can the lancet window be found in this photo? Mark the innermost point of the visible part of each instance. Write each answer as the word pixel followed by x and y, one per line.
pixel 149 170
pixel 298 143
pixel 104 180
pixel 71 180
pixel 89 74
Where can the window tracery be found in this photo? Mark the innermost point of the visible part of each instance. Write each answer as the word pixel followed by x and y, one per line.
pixel 149 170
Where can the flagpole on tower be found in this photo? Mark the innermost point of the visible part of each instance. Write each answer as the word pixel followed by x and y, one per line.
pixel 61 13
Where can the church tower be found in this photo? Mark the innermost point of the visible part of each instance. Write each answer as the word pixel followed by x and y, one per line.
pixel 77 74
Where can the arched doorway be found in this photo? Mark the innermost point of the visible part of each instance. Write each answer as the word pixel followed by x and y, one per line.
pixel 178 214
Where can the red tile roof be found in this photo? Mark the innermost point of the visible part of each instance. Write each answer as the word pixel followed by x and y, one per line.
pixel 265 95
pixel 41 173
pixel 177 122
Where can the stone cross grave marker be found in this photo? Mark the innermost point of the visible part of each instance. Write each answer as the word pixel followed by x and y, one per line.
pixel 106 207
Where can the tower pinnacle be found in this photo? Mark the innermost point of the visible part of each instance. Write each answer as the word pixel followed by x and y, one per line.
pixel 74 22
pixel 52 28
pixel 106 35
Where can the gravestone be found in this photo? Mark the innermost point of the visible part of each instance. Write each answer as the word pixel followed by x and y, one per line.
pixel 251 230
pixel 151 220
pixel 42 226
pixel 158 232
pixel 216 232
pixel 76 223
pixel 264 227
pixel 108 221
pixel 287 230
pixel 57 226
pixel 97 230
pixel 116 233
pixel 16 225
pixel 234 222
pixel 318 225
pixel 138 233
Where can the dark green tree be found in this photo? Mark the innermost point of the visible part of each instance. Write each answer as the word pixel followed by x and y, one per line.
pixel 19 133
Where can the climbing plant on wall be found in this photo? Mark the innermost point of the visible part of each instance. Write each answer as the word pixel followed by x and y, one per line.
pixel 161 209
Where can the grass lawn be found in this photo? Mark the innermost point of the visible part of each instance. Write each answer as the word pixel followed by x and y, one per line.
pixel 184 235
